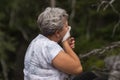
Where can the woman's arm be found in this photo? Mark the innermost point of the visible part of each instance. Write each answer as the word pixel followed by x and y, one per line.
pixel 67 60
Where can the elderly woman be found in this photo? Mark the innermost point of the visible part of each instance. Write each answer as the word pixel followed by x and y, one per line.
pixel 45 59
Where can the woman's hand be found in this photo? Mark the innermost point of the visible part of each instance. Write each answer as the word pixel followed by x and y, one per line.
pixel 71 42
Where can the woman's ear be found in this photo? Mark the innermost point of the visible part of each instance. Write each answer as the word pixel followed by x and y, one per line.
pixel 57 33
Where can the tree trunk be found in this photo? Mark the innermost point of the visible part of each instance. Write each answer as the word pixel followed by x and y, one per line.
pixel 52 2
pixel 19 64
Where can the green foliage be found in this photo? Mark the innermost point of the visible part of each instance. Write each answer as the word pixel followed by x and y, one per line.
pixel 90 28
pixel 92 62
pixel 6 44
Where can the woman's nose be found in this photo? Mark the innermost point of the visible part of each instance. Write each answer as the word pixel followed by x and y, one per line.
pixel 67 28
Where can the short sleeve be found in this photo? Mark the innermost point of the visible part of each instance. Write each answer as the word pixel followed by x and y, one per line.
pixel 52 51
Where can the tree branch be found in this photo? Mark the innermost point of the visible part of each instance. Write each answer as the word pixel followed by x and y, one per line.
pixel 4 69
pixel 110 3
pixel 101 50
pixel 72 11
pixel 99 6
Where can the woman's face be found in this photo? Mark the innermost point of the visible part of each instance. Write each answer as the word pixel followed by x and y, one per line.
pixel 64 29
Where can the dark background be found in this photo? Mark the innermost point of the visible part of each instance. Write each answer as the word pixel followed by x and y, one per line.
pixel 95 24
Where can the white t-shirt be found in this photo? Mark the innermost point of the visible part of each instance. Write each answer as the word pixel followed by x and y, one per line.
pixel 38 60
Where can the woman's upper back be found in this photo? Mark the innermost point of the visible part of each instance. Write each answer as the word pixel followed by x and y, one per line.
pixel 38 60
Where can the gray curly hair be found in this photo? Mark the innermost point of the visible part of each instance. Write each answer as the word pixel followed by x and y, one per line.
pixel 51 20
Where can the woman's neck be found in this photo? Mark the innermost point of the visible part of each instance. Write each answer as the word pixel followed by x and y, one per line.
pixel 53 38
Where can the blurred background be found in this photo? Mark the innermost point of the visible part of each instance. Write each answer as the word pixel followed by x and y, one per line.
pixel 95 26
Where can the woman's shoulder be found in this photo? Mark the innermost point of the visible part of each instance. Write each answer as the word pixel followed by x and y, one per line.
pixel 43 41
